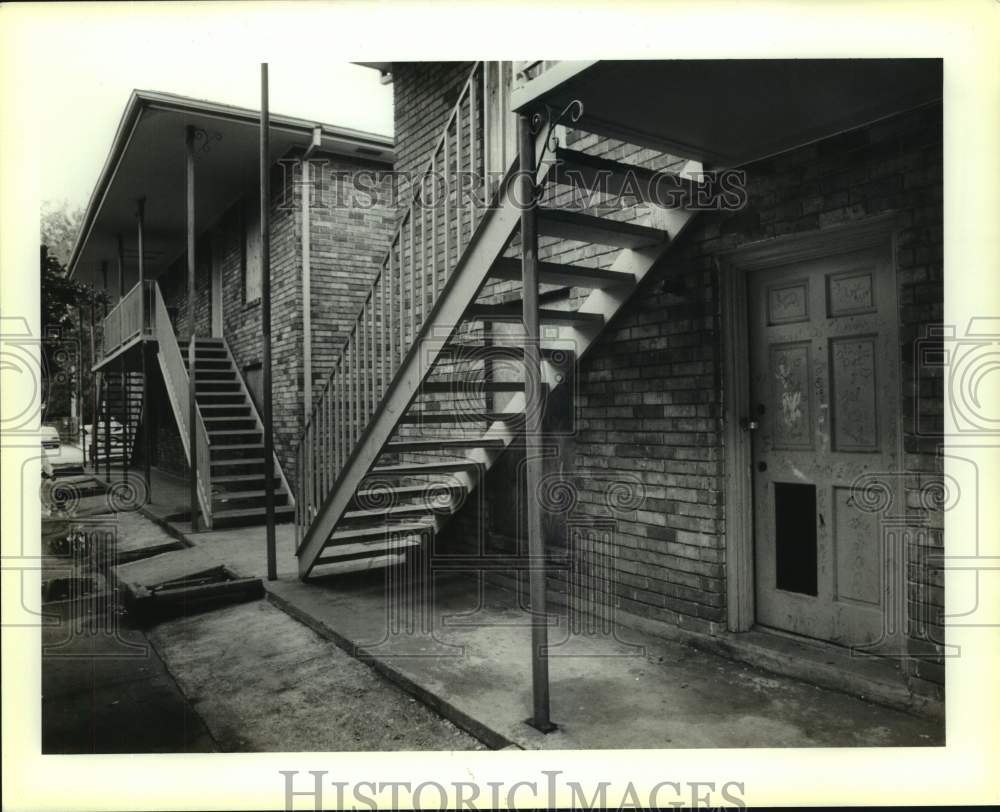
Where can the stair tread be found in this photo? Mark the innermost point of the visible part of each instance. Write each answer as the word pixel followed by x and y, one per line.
pixel 335 553
pixel 246 494
pixel 460 417
pixel 554 273
pixel 574 225
pixel 231 432
pixel 513 312
pixel 235 513
pixel 395 510
pixel 460 386
pixel 575 168
pixel 380 532
pixel 222 480
pixel 429 444
pixel 405 490
pixel 242 446
pixel 422 468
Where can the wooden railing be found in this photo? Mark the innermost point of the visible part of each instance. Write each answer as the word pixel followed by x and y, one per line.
pixel 175 377
pixel 130 318
pixel 477 141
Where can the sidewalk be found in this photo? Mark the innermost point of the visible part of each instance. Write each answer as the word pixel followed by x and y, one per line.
pixel 621 690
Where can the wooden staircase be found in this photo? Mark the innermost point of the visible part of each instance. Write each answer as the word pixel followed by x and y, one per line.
pixel 236 440
pixel 415 413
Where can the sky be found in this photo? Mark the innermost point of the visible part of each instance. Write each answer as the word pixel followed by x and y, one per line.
pixel 102 59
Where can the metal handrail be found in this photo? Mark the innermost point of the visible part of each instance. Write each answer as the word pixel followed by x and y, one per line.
pixel 427 245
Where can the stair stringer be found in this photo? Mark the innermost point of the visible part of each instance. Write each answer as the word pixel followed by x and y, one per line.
pixel 168 356
pixel 424 352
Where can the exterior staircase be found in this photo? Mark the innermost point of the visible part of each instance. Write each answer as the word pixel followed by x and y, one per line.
pixel 427 394
pixel 122 401
pixel 229 460
pixel 236 440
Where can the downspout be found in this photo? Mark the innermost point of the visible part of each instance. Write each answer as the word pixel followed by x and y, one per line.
pixel 306 186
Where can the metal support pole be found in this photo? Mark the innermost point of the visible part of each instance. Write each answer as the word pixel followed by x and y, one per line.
pixel 107 429
pixel 122 385
pixel 533 428
pixel 265 314
pixel 192 330
pixel 140 222
pixel 93 394
pixel 123 399
pixel 81 368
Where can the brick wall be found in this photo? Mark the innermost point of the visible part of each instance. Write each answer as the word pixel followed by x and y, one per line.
pixel 347 247
pixel 424 94
pixel 647 452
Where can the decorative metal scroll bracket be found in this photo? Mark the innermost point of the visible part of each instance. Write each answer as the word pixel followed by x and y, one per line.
pixel 204 138
pixel 572 112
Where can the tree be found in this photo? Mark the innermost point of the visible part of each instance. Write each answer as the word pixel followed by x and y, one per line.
pixel 60 227
pixel 65 353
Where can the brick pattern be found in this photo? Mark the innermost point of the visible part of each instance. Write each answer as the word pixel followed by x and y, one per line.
pixel 347 247
pixel 649 410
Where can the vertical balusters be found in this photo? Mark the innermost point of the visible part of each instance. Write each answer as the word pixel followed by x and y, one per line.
pixel 434 206
pixel 374 350
pixel 473 173
pixel 386 351
pixel 423 259
pixel 391 326
pixel 487 191
pixel 413 284
pixel 447 207
pixel 328 456
pixel 458 181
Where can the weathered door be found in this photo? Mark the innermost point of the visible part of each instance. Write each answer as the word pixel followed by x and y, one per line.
pixel 824 396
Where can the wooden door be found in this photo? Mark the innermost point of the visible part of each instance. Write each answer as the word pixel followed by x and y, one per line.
pixel 824 397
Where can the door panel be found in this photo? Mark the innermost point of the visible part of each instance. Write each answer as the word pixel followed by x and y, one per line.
pixel 823 389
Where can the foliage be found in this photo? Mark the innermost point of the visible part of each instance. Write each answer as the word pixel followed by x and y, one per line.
pixel 60 227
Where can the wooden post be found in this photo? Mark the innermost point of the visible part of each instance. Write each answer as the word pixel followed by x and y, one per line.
pixel 265 314
pixel 533 429
pixel 140 223
pixel 192 330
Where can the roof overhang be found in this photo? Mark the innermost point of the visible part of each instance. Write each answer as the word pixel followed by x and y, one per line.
pixel 728 112
pixel 148 160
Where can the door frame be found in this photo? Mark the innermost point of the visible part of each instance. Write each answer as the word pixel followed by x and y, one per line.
pixel 216 289
pixel 733 265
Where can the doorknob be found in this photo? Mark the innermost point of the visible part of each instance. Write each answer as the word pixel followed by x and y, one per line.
pixel 749 425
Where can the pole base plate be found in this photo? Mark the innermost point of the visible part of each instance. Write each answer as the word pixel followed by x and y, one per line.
pixel 542 727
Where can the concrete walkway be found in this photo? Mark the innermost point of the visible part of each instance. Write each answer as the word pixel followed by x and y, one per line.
pixel 264 682
pixel 104 688
pixel 619 690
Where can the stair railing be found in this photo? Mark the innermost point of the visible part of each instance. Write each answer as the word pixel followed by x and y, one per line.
pixel 175 376
pixel 448 204
pixel 127 319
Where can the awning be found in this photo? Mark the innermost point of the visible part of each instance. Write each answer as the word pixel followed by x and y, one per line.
pixel 727 112
pixel 147 160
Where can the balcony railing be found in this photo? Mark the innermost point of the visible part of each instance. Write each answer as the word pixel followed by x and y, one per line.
pixel 131 318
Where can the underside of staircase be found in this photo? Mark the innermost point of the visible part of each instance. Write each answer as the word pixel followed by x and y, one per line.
pixel 382 476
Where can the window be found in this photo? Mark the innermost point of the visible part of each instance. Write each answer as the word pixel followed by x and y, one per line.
pixel 251 253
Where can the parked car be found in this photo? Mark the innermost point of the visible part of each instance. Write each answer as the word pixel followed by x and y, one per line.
pixel 116 433
pixel 59 457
